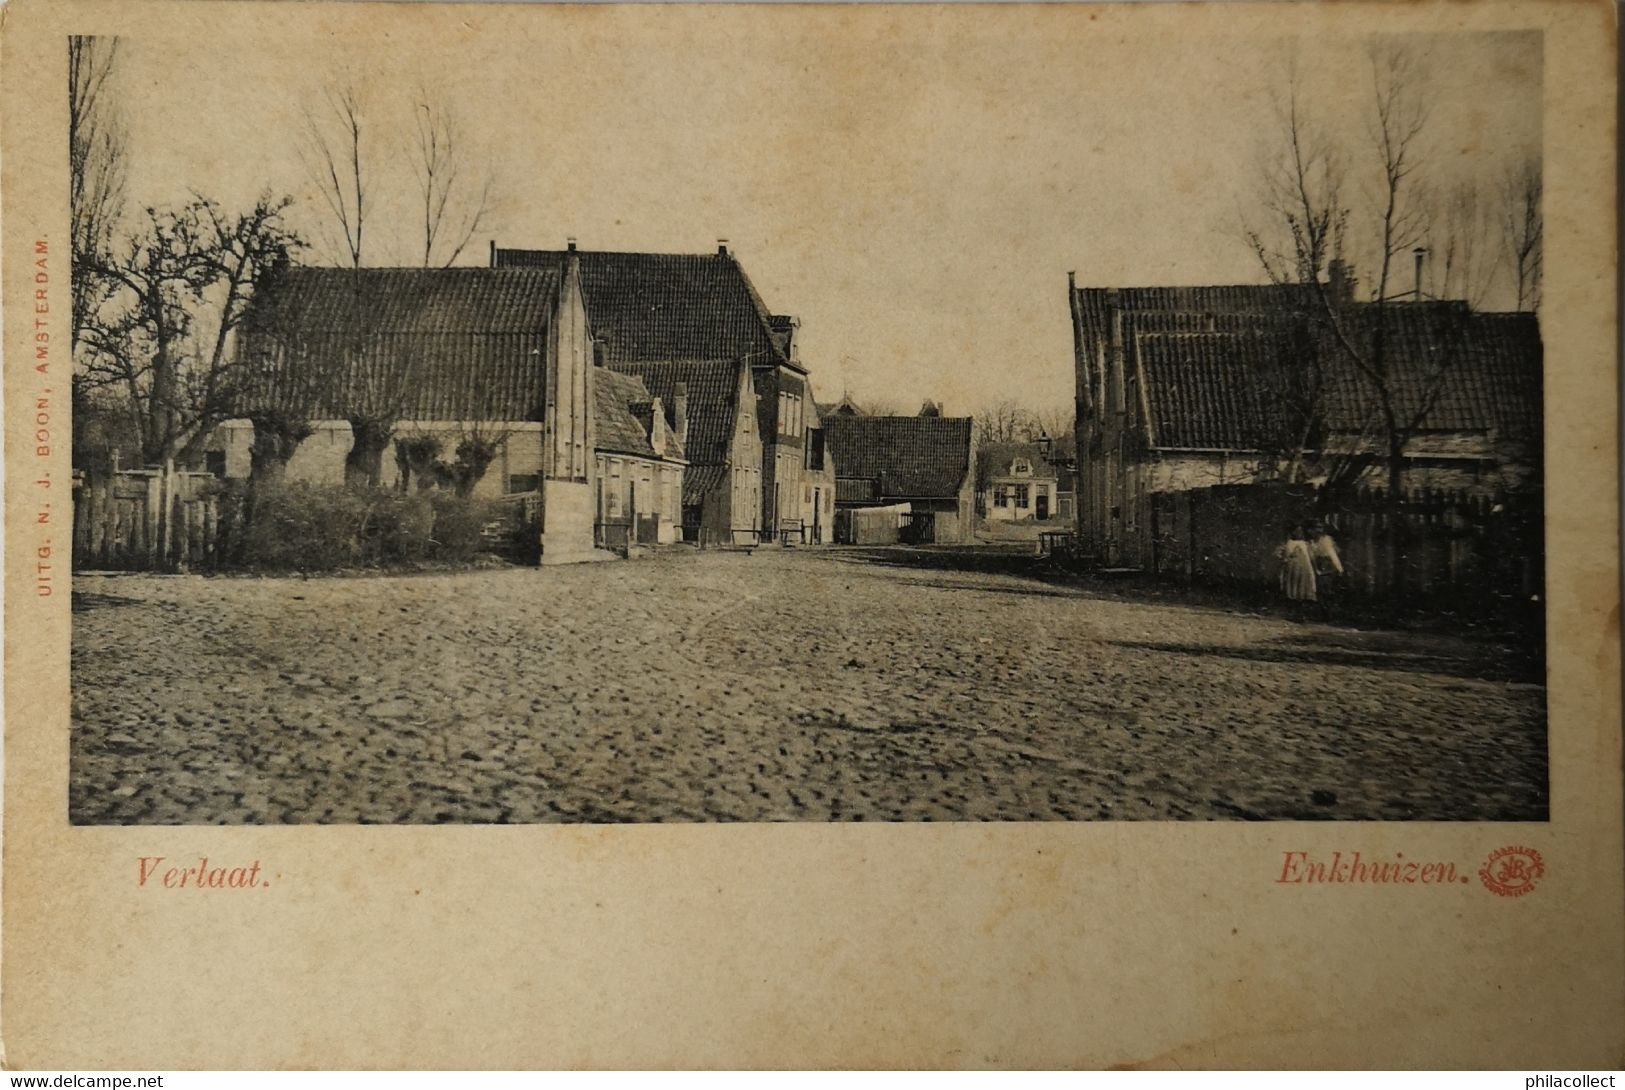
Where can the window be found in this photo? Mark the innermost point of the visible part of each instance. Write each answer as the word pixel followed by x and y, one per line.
pixel 1021 468
pixel 214 462
pixel 524 482
pixel 815 449
pixel 1021 497
pixel 1001 497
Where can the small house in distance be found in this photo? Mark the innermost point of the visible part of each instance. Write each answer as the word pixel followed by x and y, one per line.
pixel 1018 482
pixel 926 462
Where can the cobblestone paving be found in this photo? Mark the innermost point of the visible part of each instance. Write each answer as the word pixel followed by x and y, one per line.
pixel 775 686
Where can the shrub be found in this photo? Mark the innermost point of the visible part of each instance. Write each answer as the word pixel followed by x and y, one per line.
pixel 459 525
pixel 396 528
pixel 309 528
pixel 301 527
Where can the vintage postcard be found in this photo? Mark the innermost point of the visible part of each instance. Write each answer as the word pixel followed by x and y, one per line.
pixel 797 535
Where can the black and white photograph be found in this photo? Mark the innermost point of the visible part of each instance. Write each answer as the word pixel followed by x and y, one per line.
pixel 922 428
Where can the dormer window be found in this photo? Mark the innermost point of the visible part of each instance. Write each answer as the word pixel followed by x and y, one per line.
pixel 1021 467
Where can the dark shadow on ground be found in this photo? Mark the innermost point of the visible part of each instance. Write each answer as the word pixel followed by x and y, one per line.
pixel 83 601
pixel 1515 625
pixel 1486 667
pixel 1017 589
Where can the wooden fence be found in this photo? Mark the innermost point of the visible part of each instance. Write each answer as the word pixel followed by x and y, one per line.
pixel 149 520
pixel 1474 553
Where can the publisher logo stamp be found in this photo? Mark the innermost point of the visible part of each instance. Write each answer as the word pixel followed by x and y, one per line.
pixel 1512 871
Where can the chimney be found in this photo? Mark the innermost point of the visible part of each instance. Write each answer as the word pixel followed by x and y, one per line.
pixel 657 426
pixel 1420 253
pixel 679 403
pixel 722 247
pixel 493 253
pixel 570 244
pixel 600 352
pixel 1339 281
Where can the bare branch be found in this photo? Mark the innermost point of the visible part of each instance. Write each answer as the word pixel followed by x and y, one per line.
pixel 454 197
pixel 338 164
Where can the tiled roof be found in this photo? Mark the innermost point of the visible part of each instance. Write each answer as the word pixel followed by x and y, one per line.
pixel 458 343
pixel 644 411
pixel 699 480
pixel 617 428
pixel 1209 390
pixel 1483 371
pixel 649 307
pixel 1195 304
pixel 855 490
pixel 1223 389
pixel 907 456
pixel 713 389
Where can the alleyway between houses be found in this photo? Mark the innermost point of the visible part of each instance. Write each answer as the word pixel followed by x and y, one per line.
pixel 800 685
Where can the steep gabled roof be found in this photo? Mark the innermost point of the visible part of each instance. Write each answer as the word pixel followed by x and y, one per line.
pixel 907 456
pixel 650 307
pixel 460 344
pixel 712 388
pixel 618 429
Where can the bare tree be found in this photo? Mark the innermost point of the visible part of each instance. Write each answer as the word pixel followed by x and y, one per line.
pixel 336 154
pixel 1309 223
pixel 1462 244
pixel 1521 230
pixel 454 195
pixel 1055 421
pixel 96 168
pixel 1301 208
pixel 1005 422
pixel 180 288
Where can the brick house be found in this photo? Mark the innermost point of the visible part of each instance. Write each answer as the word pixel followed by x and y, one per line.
pixel 659 309
pixel 640 461
pixel 1185 388
pixel 453 353
pixel 817 482
pixel 927 462
pixel 713 406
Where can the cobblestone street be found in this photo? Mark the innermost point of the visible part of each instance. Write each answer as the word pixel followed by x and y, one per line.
pixel 803 685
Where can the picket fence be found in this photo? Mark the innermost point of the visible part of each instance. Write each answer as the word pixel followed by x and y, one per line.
pixel 150 520
pixel 1469 552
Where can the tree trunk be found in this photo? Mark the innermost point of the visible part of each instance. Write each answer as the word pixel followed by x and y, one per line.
pixel 276 438
pixel 1396 466
pixel 363 466
pixel 160 436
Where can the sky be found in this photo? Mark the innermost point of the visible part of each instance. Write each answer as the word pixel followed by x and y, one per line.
pixel 914 184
